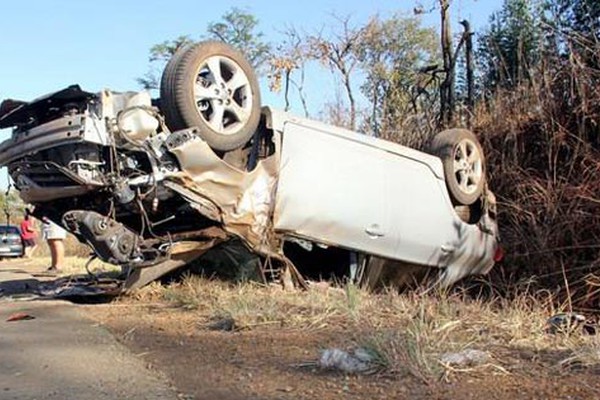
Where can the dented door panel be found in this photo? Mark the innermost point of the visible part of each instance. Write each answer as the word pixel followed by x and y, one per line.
pixel 335 188
pixel 322 192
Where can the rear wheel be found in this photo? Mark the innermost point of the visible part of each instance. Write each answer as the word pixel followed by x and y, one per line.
pixel 211 86
pixel 463 161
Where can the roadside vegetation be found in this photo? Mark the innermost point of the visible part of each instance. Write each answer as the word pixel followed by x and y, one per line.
pixel 533 103
pixel 406 334
pixel 535 106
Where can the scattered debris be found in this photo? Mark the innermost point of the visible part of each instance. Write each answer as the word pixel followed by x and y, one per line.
pixel 569 322
pixel 223 324
pixel 80 287
pixel 359 361
pixel 465 358
pixel 20 316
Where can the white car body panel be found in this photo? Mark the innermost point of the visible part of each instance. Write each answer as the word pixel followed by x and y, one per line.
pixel 345 189
pixel 321 183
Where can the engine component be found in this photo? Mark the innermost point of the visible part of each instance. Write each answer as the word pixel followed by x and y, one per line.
pixel 178 138
pixel 111 240
pixel 136 122
pixel 123 193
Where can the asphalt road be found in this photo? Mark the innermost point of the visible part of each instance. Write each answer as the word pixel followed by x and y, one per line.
pixel 60 354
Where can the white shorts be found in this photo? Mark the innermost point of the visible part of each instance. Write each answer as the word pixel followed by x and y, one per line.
pixel 52 231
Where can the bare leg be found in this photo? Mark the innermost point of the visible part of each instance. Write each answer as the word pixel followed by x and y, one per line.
pixel 52 247
pixel 28 253
pixel 57 253
pixel 32 250
pixel 60 253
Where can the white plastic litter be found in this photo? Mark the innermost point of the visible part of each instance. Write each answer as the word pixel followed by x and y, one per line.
pixel 565 322
pixel 359 361
pixel 465 358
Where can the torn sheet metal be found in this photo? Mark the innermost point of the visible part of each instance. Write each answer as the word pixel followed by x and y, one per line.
pixel 181 253
pixel 245 199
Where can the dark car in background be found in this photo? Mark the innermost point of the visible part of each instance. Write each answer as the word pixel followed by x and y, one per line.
pixel 11 244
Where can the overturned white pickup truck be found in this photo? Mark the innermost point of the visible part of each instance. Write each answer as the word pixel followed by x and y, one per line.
pixel 152 186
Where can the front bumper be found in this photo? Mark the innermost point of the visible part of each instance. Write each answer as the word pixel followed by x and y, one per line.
pixel 9 250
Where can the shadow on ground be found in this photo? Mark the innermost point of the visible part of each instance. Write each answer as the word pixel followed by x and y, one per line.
pixel 23 281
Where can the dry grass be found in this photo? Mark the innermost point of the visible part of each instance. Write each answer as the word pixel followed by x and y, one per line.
pixel 542 142
pixel 75 265
pixel 585 355
pixel 406 332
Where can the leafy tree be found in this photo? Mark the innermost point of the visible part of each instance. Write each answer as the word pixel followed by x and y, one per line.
pixel 11 207
pixel 236 27
pixel 159 54
pixel 386 54
pixel 393 52
pixel 581 16
pixel 574 26
pixel 163 51
pixel 287 66
pixel 239 29
pixel 339 52
pixel 511 45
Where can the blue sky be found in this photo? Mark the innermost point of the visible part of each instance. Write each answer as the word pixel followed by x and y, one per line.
pixel 49 44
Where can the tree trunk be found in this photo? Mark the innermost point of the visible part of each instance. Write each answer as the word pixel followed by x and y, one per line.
pixel 351 101
pixel 447 87
pixel 468 35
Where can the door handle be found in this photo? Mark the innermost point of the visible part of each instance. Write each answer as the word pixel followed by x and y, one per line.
pixel 448 248
pixel 374 231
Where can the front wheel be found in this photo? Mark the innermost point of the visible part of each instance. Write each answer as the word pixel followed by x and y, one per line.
pixel 213 87
pixel 464 164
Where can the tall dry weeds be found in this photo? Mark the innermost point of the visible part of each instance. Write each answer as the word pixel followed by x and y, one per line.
pixel 542 142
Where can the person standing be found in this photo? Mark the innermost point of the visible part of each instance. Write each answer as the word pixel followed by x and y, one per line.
pixel 55 236
pixel 28 234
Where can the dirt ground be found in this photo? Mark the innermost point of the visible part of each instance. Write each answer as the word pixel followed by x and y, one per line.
pixel 275 363
pixel 172 346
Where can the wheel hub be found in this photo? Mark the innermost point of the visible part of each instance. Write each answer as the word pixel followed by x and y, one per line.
pixel 221 95
pixel 467 166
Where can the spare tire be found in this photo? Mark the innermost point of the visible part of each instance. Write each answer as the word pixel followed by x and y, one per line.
pixel 464 164
pixel 212 87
